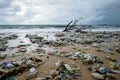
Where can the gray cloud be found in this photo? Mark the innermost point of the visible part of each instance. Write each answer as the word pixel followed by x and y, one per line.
pixel 5 3
pixel 59 12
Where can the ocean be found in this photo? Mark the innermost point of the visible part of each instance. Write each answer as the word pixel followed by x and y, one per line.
pixel 51 28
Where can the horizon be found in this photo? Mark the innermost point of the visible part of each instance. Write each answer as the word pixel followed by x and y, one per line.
pixel 50 24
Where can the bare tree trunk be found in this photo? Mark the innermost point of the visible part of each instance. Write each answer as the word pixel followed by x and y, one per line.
pixel 67 27
pixel 71 25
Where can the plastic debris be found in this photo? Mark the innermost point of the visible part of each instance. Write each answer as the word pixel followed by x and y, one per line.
pixel 98 76
pixel 32 71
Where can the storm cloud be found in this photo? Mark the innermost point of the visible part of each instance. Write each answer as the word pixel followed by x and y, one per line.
pixel 59 12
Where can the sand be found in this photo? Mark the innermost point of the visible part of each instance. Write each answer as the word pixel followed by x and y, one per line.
pixel 44 69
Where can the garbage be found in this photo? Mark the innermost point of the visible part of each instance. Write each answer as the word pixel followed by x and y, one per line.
pixel 13 36
pixel 98 76
pixel 53 73
pixel 58 63
pixel 15 67
pixel 59 50
pixel 2 45
pixel 2 56
pixel 94 45
pixel 103 70
pixel 41 54
pixel 39 78
pixel 74 57
pixel 29 62
pixel 115 71
pixel 117 49
pixel 111 59
pixel 65 71
pixel 111 65
pixel 2 48
pixel 59 34
pixel 34 38
pixel 87 57
pixel 68 67
pixel 32 71
pixel 9 65
pixel 10 78
pixel 22 50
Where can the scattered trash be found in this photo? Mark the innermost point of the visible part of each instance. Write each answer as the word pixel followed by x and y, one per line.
pixel 32 71
pixel 98 76
pixel 2 56
pixel 64 70
pixel 115 71
pixel 10 78
pixel 14 36
pixel 22 50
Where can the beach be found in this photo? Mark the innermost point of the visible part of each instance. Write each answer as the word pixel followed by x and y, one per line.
pixel 82 53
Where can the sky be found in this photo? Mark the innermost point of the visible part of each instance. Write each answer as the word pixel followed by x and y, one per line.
pixel 59 11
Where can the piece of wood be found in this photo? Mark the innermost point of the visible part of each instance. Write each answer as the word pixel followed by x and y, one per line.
pixel 70 26
pixel 66 28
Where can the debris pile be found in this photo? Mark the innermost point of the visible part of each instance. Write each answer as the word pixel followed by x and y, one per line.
pixel 12 68
pixel 103 73
pixel 64 71
pixel 2 44
pixel 9 37
pixel 34 38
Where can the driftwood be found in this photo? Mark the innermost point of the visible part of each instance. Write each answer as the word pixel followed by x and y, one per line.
pixel 67 27
pixel 70 26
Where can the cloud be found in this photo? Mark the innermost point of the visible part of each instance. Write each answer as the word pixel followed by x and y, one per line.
pixel 5 3
pixel 59 12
